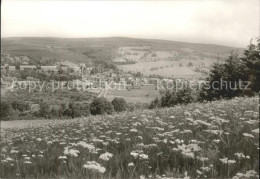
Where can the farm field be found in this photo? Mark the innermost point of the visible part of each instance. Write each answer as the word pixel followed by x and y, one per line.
pixel 166 68
pixel 143 95
pixel 174 72
pixel 210 140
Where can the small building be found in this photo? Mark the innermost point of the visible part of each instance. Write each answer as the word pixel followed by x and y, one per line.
pixel 25 63
pixel 27 67
pixel 49 68
pixel 113 75
pixel 146 80
pixel 29 78
pixel 122 80
pixel 3 69
pixel 10 79
pixel 12 68
pixel 118 86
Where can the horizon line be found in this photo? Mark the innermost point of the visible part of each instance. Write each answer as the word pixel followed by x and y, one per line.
pixel 100 37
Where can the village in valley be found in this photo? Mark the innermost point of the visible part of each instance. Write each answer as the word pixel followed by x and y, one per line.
pixel 19 74
pixel 103 82
pixel 82 74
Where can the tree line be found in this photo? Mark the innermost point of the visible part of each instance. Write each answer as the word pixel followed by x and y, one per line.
pixel 18 109
pixel 236 76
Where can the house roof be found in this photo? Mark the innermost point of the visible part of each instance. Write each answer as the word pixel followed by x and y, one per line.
pixel 28 66
pixel 8 78
pixel 48 67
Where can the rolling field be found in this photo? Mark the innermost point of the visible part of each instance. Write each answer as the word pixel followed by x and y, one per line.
pixel 211 140
pixel 167 68
pixel 173 72
pixel 143 95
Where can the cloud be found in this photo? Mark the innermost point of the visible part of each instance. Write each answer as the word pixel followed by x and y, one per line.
pixel 226 22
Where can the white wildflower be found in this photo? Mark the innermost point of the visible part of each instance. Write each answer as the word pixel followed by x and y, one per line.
pixel 106 156
pixel 256 131
pixel 131 164
pixel 62 157
pixel 92 165
pixel 133 130
pixel 248 135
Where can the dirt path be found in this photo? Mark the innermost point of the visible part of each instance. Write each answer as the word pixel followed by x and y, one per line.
pixel 23 123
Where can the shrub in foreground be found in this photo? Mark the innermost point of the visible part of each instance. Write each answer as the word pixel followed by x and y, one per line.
pixel 101 106
pixel 119 104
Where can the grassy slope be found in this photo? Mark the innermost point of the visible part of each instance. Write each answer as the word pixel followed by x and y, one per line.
pixel 216 130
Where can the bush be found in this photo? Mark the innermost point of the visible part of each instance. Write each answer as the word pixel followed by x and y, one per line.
pixel 155 104
pixel 44 110
pixel 73 110
pixel 20 105
pixel 172 98
pixel 55 112
pixel 101 106
pixel 84 110
pixel 119 104
pixel 131 107
pixel 6 110
pixel 77 110
pixel 190 64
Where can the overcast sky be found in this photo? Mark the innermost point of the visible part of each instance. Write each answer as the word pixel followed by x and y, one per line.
pixel 226 22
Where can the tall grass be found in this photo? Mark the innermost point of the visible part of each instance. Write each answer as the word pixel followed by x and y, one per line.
pixel 210 140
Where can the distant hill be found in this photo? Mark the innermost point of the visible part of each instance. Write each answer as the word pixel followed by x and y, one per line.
pixel 89 49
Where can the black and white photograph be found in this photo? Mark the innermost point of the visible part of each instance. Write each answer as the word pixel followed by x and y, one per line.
pixel 130 89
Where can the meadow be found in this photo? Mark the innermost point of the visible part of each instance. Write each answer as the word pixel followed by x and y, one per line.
pixel 207 140
pixel 169 68
pixel 144 95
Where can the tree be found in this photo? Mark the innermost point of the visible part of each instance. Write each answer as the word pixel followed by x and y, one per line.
pixel 6 109
pixel 226 79
pixel 155 103
pixel 252 62
pixel 20 105
pixel 165 98
pixel 62 109
pixel 73 110
pixel 174 97
pixel 131 107
pixel 84 109
pixel 190 64
pixel 54 112
pixel 138 74
pixel 101 106
pixel 44 110
pixel 119 104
